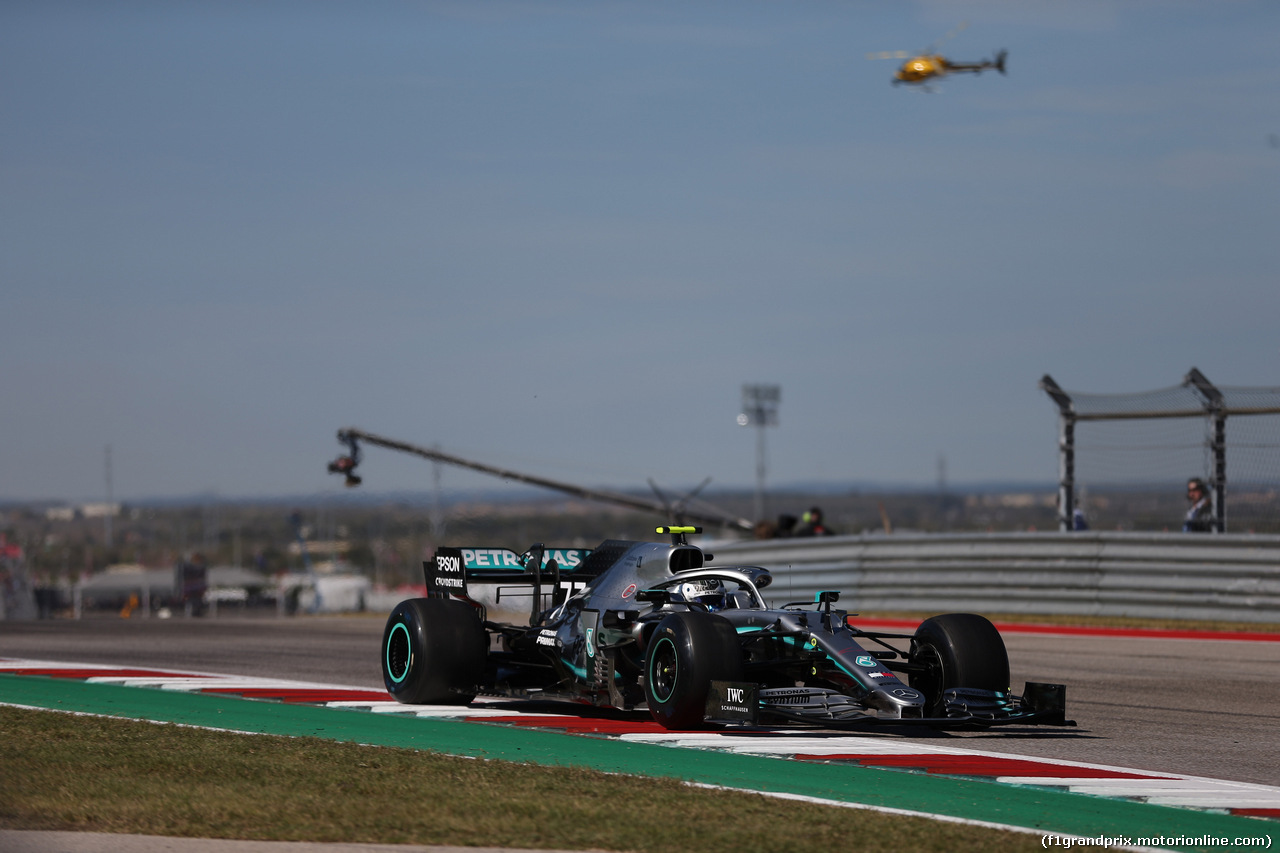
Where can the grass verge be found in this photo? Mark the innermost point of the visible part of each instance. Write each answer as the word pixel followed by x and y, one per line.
pixel 98 774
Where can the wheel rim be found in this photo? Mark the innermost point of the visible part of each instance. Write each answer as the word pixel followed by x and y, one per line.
pixel 664 666
pixel 931 681
pixel 399 655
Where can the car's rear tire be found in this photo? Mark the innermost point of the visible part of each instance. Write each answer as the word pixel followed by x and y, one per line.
pixel 433 652
pixel 686 652
pixel 957 650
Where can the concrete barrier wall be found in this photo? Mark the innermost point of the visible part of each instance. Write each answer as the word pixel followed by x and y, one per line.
pixel 1157 575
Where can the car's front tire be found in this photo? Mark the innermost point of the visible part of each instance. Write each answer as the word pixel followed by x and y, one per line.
pixel 685 653
pixel 957 650
pixel 433 652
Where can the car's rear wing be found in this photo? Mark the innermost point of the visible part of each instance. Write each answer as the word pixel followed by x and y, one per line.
pixel 485 576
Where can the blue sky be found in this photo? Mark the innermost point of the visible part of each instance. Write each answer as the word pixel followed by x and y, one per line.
pixel 560 236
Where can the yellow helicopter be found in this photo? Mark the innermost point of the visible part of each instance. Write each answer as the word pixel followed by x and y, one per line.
pixel 928 65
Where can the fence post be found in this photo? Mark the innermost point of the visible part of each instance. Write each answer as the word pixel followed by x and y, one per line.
pixel 1215 407
pixel 1066 452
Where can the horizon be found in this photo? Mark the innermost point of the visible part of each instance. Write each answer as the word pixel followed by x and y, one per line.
pixel 531 494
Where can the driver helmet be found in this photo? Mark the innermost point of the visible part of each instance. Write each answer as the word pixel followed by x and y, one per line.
pixel 709 593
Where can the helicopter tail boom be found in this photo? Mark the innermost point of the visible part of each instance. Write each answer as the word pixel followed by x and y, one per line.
pixel 997 62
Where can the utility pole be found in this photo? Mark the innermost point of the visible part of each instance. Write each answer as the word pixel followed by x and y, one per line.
pixel 106 516
pixel 760 410
pixel 437 501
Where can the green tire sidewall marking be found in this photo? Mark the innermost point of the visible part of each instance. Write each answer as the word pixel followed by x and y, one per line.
pixel 653 660
pixel 400 626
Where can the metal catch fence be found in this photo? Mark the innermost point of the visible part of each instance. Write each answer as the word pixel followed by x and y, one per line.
pixel 1158 575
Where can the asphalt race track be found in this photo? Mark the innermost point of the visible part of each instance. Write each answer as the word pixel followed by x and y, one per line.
pixel 1198 707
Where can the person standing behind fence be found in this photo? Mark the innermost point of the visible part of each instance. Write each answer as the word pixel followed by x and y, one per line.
pixel 812 524
pixel 1199 518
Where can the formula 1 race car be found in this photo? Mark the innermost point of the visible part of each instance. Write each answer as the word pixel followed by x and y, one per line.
pixel 633 624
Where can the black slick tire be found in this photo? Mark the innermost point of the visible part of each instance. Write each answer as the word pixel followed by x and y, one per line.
pixel 686 652
pixel 433 652
pixel 957 650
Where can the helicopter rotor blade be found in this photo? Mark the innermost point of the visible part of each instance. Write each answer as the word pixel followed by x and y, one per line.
pixel 959 28
pixel 890 54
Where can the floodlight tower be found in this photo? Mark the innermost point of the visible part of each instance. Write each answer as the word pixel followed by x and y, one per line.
pixel 760 410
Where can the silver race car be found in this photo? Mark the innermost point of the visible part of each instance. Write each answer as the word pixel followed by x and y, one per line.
pixel 650 624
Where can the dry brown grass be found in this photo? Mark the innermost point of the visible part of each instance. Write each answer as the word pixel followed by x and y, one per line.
pixel 64 772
